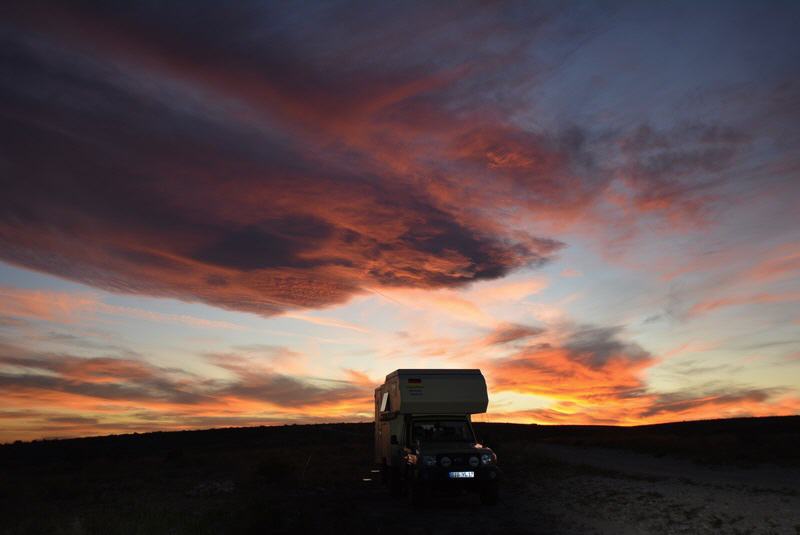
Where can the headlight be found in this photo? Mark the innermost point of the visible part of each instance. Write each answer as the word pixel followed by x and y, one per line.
pixel 445 461
pixel 429 460
pixel 488 458
pixel 474 462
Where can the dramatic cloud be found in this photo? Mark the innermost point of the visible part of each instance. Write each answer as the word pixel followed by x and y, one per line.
pixel 591 364
pixel 44 305
pixel 594 376
pixel 123 394
pixel 260 170
pixel 135 380
pixel 496 183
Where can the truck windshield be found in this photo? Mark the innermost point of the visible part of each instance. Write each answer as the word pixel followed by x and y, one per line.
pixel 442 431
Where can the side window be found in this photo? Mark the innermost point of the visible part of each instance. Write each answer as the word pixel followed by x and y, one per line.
pixel 385 402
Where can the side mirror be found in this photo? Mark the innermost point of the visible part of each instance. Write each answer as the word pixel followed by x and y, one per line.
pixel 393 440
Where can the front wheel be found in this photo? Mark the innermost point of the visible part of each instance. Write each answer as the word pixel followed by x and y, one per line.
pixel 489 493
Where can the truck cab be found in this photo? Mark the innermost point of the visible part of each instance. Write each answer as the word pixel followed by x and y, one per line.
pixel 424 439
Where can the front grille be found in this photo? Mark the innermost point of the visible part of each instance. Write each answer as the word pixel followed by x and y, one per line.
pixel 458 460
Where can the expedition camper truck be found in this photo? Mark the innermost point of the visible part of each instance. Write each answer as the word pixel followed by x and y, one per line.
pixel 424 437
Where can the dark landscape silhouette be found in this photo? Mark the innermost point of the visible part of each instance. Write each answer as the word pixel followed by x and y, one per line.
pixel 319 478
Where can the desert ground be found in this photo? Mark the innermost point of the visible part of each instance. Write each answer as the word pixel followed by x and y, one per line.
pixel 724 476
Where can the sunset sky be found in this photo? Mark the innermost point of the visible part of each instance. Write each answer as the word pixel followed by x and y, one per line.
pixel 231 214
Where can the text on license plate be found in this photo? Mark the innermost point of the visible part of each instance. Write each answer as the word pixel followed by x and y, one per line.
pixel 456 475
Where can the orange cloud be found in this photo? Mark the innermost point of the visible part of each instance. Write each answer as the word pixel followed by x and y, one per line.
pixel 784 262
pixel 511 332
pixel 448 303
pixel 326 322
pixel 261 182
pixel 283 172
pixel 45 305
pixel 703 407
pixel 71 395
pixel 69 307
pixel 593 376
pixel 714 304
pixel 504 291
pixel 591 371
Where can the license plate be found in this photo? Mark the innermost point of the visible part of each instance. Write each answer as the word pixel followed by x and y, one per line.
pixel 459 475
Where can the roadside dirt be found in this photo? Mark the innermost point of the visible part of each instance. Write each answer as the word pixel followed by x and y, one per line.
pixel 616 491
pixel 576 490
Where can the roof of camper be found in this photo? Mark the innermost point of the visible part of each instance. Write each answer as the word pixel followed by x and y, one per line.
pixel 434 371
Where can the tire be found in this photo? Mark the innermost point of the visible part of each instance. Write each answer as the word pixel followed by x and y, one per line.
pixel 489 494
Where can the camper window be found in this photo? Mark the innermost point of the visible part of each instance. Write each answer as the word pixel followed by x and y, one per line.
pixel 385 401
pixel 442 431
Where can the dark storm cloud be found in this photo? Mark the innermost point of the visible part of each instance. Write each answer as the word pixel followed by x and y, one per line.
pixel 297 156
pixel 276 243
pixel 146 198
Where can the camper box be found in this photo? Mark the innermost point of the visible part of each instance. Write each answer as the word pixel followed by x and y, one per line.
pixel 431 392
pixel 423 392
